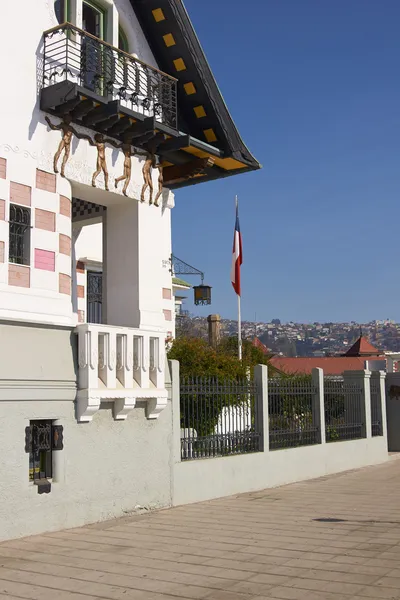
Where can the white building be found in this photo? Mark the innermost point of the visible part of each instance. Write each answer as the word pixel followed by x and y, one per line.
pixel 78 357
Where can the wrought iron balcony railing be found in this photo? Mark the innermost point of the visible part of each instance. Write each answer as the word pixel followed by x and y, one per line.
pixel 71 54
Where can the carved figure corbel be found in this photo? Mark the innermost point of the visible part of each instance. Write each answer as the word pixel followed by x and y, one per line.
pixel 100 143
pixel 65 144
pixel 126 148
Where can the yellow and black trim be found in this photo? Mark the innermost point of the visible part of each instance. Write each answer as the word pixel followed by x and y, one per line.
pixel 202 111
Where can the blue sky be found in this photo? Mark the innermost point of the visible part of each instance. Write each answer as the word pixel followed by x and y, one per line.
pixel 314 89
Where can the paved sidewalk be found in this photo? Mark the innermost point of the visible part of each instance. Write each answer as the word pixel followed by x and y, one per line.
pixel 336 538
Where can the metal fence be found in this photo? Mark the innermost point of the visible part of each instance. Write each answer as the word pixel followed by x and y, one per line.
pixel 376 408
pixel 290 406
pixel 344 410
pixel 218 418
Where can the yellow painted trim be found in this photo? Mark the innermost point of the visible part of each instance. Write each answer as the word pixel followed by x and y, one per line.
pixel 199 111
pixel 169 40
pixel 189 88
pixel 179 64
pixel 158 15
pixel 228 164
pixel 210 135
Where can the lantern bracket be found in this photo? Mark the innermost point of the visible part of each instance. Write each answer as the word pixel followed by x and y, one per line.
pixel 180 267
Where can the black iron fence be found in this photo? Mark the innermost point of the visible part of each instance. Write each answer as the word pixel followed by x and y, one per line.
pixel 376 408
pixel 344 410
pixel 218 418
pixel 74 55
pixel 291 419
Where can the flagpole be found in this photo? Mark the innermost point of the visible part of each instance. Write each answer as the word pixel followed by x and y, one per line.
pixel 239 330
pixel 239 307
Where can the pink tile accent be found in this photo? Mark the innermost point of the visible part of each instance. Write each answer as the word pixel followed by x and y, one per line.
pixel 45 181
pixel 80 267
pixel 80 291
pixel 65 206
pixel 2 210
pixel 1 252
pixel 166 293
pixel 19 275
pixel 3 168
pixel 81 316
pixel 167 315
pixel 44 219
pixel 20 194
pixel 64 284
pixel 65 244
pixel 44 259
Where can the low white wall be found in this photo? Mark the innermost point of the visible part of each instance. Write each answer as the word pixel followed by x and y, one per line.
pixel 106 469
pixel 205 479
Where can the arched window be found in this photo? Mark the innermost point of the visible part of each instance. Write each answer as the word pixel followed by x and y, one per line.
pixel 60 8
pixel 122 41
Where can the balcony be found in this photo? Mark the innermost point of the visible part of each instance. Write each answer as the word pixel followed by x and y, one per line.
pixel 121 365
pixel 104 88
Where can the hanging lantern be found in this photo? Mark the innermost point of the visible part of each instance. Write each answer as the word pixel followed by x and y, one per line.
pixel 202 294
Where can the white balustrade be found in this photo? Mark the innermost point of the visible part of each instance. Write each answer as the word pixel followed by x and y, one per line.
pixel 122 365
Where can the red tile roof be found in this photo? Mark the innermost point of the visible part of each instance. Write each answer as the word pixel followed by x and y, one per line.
pixel 332 365
pixel 362 347
pixel 258 344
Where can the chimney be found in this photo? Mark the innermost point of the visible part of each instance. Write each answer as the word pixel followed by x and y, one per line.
pixel 214 330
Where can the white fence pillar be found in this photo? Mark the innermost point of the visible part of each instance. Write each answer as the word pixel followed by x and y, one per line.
pixel 318 406
pixel 261 401
pixel 377 386
pixel 176 409
pixel 393 411
pixel 360 381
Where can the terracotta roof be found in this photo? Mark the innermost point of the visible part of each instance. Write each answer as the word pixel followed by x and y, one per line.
pixel 332 365
pixel 258 344
pixel 362 347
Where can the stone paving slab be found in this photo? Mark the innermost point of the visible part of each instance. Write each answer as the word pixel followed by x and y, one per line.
pixel 334 538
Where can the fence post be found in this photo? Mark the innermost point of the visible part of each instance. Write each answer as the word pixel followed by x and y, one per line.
pixel 378 380
pixel 176 409
pixel 362 379
pixel 318 405
pixel 382 387
pixel 262 421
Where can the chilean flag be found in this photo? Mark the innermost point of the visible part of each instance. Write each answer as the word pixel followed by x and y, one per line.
pixel 237 254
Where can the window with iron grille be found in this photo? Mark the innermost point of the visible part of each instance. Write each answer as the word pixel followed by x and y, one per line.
pixel 41 439
pixel 20 234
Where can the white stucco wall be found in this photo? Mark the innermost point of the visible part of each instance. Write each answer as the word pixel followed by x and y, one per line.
pixel 107 468
pixel 198 480
pixel 89 243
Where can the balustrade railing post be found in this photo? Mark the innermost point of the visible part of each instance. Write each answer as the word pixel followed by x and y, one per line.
pixel 318 404
pixel 261 405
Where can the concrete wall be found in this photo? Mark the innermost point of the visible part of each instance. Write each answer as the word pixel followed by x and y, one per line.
pixel 205 479
pixel 106 469
pixel 198 480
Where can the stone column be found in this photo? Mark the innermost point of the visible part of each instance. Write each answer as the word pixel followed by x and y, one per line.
pixel 214 330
